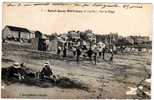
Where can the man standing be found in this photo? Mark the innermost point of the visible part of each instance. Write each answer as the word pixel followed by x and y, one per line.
pixel 114 49
pixel 95 57
pixel 100 51
pixel 90 52
pixel 58 50
pixel 78 52
pixel 74 51
pixel 103 49
pixel 64 52
pixel 111 51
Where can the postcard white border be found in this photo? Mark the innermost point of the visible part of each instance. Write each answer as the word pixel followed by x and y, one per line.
pixel 99 1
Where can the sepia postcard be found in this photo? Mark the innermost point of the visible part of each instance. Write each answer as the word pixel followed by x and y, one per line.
pixel 57 50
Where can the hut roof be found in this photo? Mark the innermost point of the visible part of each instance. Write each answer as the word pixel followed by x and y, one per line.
pixel 19 29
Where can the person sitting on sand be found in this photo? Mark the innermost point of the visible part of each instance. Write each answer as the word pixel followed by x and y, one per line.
pixel 15 71
pixel 26 71
pixel 46 71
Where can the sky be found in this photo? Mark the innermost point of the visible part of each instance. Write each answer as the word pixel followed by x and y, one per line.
pixel 126 19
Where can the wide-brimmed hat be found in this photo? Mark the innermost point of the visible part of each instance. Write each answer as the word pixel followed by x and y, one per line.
pixel 16 65
pixel 46 63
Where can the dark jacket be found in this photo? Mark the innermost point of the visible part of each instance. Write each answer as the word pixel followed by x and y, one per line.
pixel 46 71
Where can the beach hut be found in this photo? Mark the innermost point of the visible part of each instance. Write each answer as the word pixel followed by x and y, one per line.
pixel 16 33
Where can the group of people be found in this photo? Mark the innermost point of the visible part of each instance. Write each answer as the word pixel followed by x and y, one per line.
pixel 20 71
pixel 93 52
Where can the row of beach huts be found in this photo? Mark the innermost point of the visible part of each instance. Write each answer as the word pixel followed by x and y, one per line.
pixel 42 42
